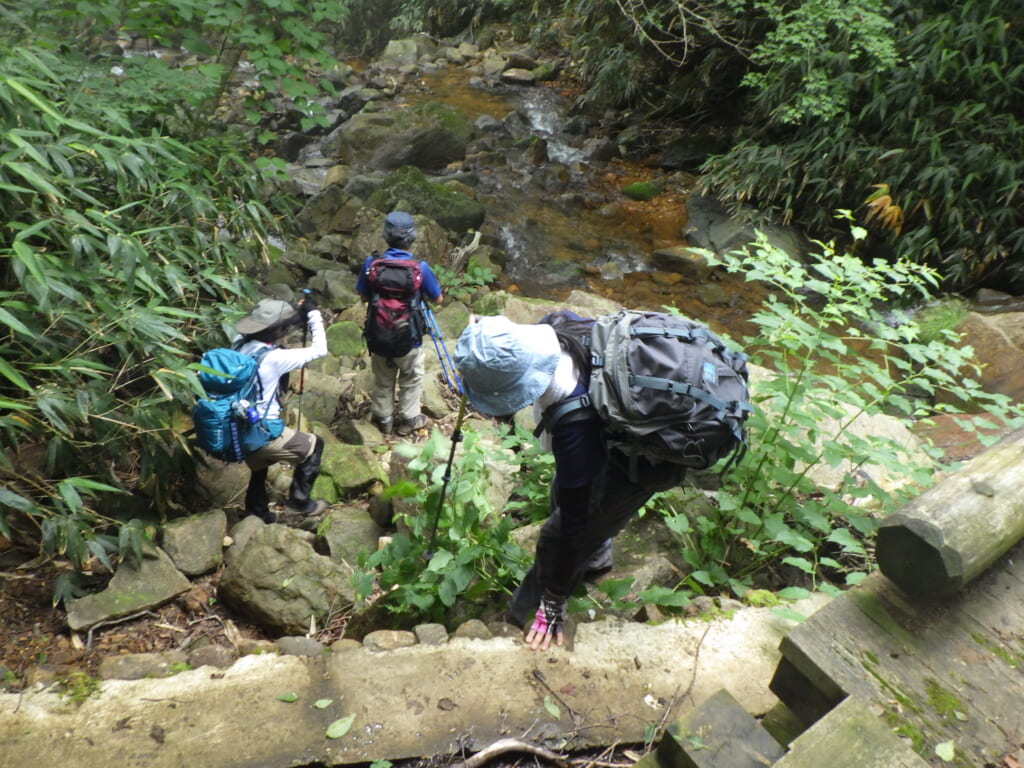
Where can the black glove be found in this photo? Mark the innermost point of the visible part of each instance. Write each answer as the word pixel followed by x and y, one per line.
pixel 307 304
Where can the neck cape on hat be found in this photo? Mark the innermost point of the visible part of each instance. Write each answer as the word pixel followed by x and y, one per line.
pixel 505 366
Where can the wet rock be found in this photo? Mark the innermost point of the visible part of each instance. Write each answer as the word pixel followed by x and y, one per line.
pixel 407 51
pixel 684 260
pixel 516 76
pixel 998 341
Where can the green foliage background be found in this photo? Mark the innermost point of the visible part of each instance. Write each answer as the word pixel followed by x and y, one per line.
pixel 824 100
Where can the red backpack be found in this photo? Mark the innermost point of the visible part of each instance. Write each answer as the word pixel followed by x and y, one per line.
pixel 393 324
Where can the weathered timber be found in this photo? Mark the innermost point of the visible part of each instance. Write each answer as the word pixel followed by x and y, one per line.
pixel 931 671
pixel 718 734
pixel 850 735
pixel 952 532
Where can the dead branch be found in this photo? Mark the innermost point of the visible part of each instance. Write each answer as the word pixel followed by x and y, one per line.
pixel 503 746
pixel 677 696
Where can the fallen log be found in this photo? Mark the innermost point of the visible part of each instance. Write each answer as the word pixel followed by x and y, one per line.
pixel 952 532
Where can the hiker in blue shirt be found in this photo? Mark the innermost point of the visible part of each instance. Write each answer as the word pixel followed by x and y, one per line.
pixel 394 329
pixel 505 367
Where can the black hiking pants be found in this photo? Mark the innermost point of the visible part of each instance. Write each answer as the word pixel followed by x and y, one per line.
pixel 614 499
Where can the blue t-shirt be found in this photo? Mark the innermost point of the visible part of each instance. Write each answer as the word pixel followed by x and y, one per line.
pixel 429 289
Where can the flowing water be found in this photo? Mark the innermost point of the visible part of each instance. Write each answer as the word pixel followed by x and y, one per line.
pixel 563 221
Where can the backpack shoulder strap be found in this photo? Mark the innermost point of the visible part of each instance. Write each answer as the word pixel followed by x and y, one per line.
pixel 566 411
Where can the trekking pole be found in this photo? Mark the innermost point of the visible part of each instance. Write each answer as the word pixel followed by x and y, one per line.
pixel 435 333
pixel 302 371
pixel 456 439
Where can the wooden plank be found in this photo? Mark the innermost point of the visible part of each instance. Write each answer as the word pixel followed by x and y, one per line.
pixel 850 735
pixel 938 670
pixel 719 733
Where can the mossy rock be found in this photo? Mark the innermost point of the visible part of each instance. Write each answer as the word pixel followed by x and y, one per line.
pixel 345 338
pixel 409 189
pixel 642 190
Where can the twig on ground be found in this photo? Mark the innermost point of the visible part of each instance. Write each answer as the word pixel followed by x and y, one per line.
pixel 577 718
pixel 503 746
pixel 677 696
pixel 112 622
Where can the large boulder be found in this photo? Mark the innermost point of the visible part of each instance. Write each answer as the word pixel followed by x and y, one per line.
pixel 998 343
pixel 408 188
pixel 332 210
pixel 429 136
pixel 280 583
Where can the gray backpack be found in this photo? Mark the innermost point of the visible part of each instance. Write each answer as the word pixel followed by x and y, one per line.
pixel 665 387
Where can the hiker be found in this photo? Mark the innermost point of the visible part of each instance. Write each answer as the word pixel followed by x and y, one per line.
pixel 394 285
pixel 505 367
pixel 265 326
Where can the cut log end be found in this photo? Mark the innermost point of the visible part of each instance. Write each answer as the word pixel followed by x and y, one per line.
pixel 912 554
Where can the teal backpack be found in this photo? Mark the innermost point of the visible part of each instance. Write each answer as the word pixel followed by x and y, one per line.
pixel 227 424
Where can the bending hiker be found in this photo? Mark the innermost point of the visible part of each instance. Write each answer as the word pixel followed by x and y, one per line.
pixel 395 284
pixel 506 366
pixel 264 327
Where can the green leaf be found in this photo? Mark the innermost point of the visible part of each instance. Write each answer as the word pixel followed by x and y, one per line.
pixel 288 698
pixel 794 593
pixel 552 708
pixel 323 703
pixel 339 728
pixel 945 751
pixel 440 561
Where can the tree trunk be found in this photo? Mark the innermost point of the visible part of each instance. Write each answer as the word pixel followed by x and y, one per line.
pixel 953 531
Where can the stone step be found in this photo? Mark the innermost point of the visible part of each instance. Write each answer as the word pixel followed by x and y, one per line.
pixel 717 734
pixel 850 731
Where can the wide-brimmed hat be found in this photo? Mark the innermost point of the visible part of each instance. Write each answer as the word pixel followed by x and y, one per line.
pixel 268 313
pixel 505 366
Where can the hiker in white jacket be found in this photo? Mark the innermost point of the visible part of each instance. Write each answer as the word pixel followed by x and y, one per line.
pixel 265 326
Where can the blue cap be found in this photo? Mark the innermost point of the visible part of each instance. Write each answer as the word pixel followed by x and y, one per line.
pixel 399 228
pixel 505 366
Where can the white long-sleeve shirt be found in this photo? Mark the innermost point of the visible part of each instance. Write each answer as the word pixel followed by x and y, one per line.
pixel 279 361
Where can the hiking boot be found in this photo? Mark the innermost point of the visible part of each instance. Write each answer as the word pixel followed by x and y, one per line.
pixel 383 425
pixel 408 426
pixel 257 500
pixel 311 508
pixel 265 515
pixel 299 503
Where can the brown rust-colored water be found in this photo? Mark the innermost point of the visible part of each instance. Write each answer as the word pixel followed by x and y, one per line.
pixel 565 222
